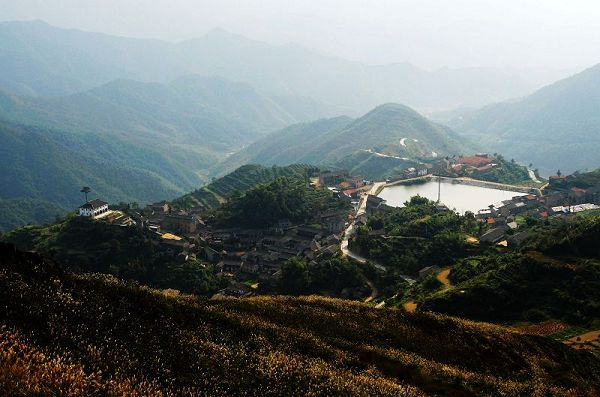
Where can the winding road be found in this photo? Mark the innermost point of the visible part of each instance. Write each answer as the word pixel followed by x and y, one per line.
pixel 361 210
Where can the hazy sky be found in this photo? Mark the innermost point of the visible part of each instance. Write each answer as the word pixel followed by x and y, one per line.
pixel 429 33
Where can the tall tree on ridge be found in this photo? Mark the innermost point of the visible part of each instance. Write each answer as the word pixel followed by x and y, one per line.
pixel 85 190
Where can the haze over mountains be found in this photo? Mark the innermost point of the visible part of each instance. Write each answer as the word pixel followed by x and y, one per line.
pixel 144 120
pixel 557 127
pixel 131 141
pixel 38 59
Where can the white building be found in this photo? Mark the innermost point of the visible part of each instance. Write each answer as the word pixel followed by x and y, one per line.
pixel 93 208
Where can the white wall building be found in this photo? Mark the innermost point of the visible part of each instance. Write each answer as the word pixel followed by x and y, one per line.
pixel 93 208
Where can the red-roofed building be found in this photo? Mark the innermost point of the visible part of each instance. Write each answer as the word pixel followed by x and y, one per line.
pixel 352 193
pixel 476 161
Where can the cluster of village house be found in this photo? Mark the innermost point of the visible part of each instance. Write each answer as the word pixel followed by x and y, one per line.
pixel 556 202
pixel 257 254
pixel 243 253
pixel 457 166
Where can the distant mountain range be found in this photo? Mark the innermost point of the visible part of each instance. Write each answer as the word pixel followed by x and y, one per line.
pixel 388 137
pixel 130 141
pixel 143 120
pixel 38 59
pixel 192 114
pixel 557 127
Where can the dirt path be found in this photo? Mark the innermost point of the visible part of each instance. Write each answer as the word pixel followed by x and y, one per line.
pixel 442 277
pixel 472 240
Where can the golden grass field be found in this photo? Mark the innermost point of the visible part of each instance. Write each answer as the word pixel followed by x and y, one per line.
pixel 77 335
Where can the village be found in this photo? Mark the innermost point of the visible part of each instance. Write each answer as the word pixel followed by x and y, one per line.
pixel 250 258
pixel 246 257
pixel 504 219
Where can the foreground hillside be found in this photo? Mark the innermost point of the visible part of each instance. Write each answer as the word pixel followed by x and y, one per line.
pixel 65 334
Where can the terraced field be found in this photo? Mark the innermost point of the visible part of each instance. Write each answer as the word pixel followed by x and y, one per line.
pixel 241 180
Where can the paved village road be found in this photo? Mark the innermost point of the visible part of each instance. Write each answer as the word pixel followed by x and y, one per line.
pixel 362 209
pixel 532 176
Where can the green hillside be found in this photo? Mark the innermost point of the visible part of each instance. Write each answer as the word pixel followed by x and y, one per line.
pixel 65 334
pixel 129 253
pixel 190 117
pixel 553 275
pixel 382 130
pixel 374 166
pixel 391 130
pixel 293 144
pixel 526 287
pixel 282 198
pixel 23 211
pixel 48 168
pixel 557 127
pixel 240 180
pixel 129 141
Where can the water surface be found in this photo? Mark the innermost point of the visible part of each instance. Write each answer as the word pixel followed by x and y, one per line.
pixel 459 197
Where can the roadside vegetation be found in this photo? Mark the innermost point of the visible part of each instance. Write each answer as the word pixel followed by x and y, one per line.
pixel 553 276
pixel 416 235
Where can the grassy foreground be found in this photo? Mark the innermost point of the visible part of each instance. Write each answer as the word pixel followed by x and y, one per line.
pixel 65 334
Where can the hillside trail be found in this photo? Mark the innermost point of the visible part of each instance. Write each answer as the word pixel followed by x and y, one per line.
pixel 442 277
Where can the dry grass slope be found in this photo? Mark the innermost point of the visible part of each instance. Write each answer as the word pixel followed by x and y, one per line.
pixel 69 335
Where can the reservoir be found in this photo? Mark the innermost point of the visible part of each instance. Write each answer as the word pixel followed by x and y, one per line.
pixel 457 196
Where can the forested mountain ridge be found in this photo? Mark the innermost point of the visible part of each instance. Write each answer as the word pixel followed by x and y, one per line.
pixel 239 181
pixel 557 127
pixel 205 113
pixel 67 334
pixel 130 141
pixel 46 169
pixel 390 132
pixel 293 144
pixel 38 59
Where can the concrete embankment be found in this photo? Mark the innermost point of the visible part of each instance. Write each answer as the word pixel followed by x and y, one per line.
pixel 467 181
